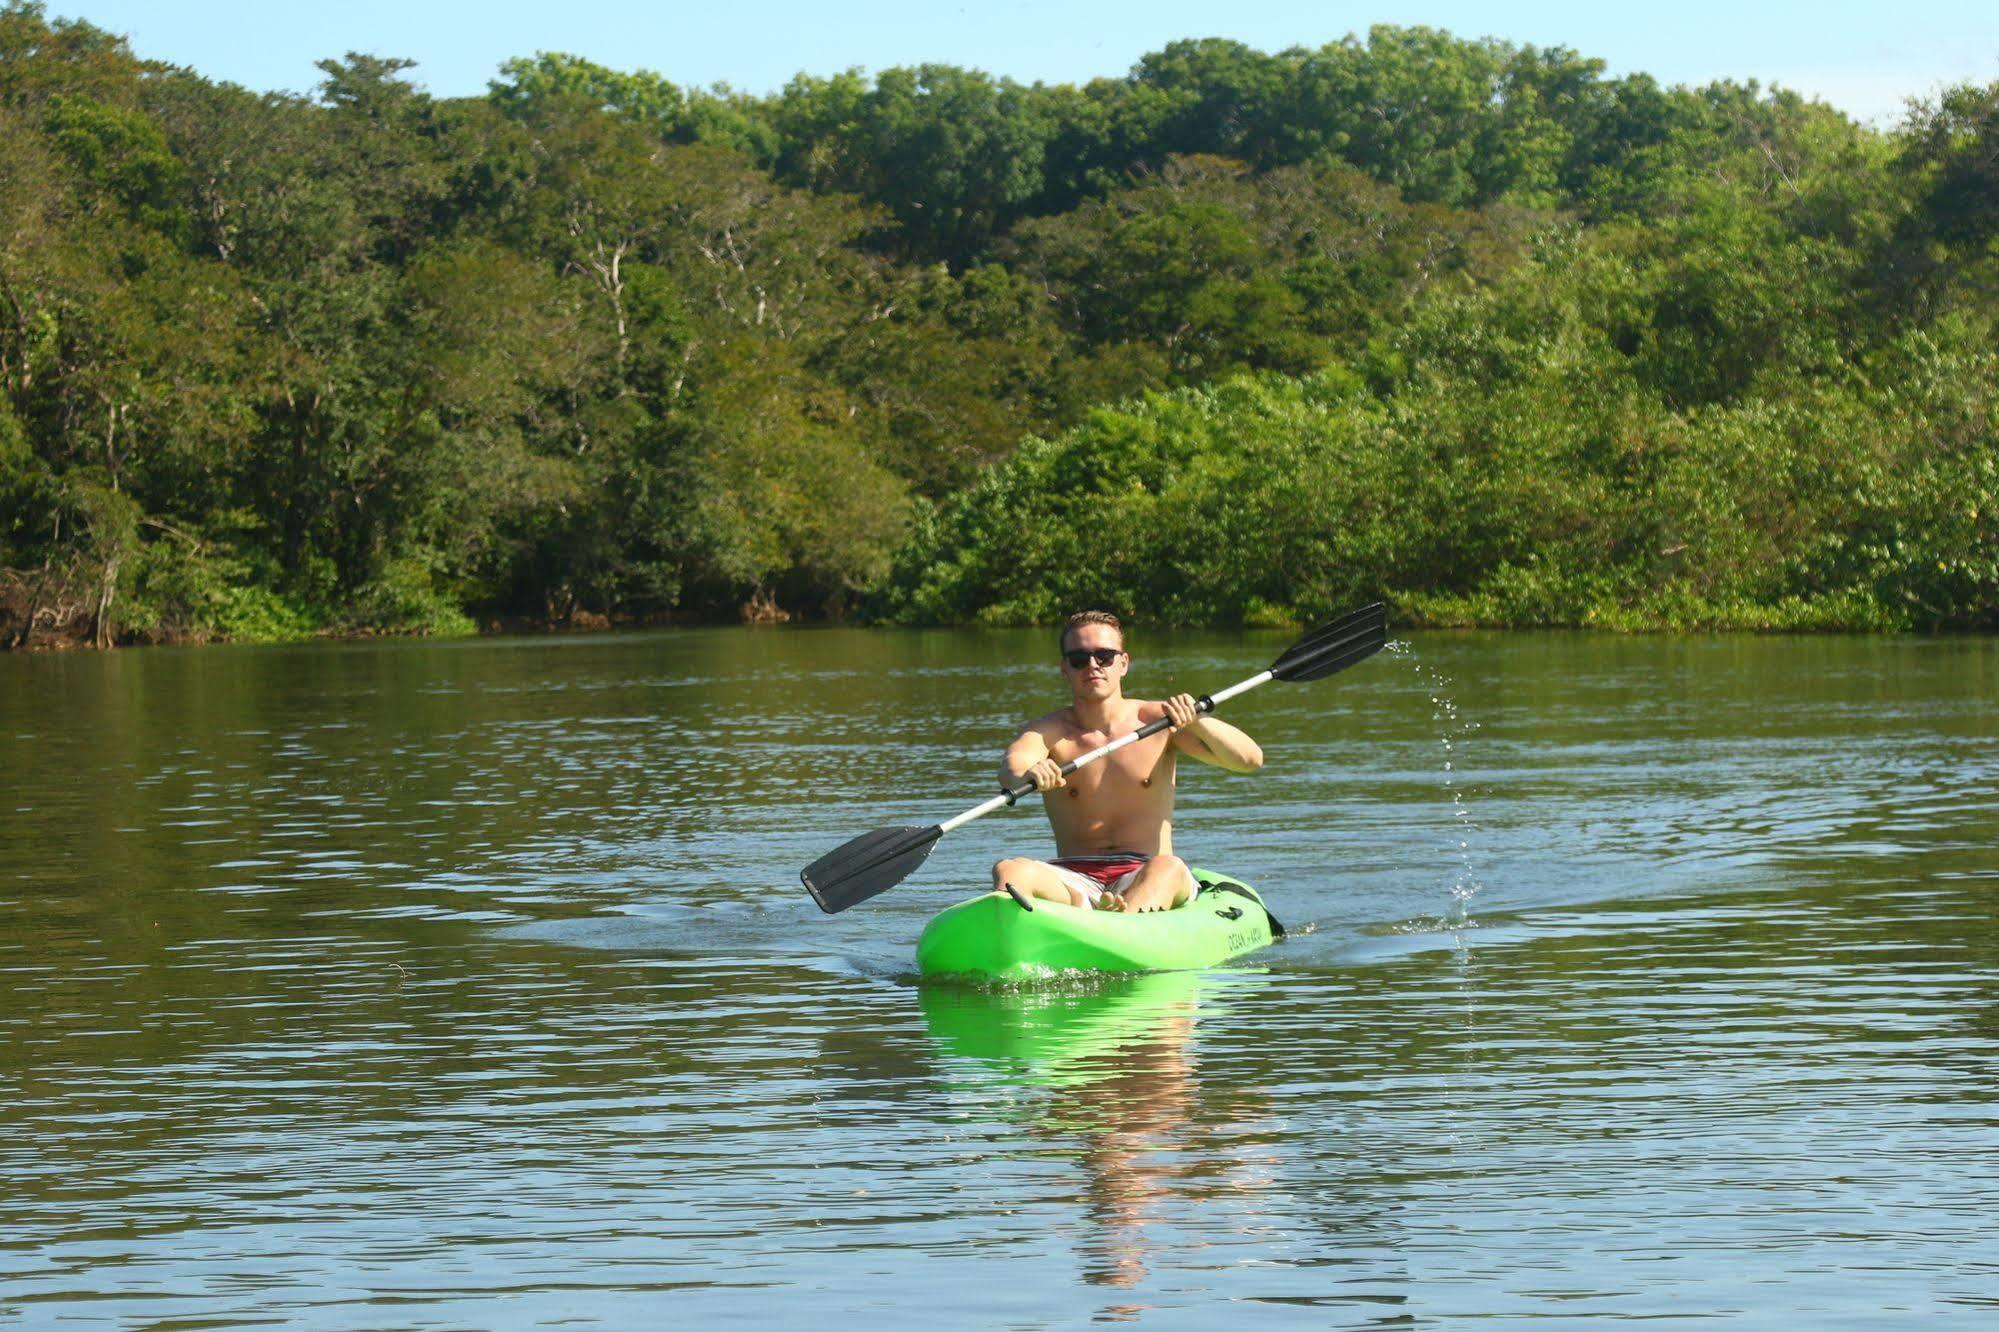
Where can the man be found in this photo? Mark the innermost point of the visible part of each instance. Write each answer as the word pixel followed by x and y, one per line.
pixel 1113 820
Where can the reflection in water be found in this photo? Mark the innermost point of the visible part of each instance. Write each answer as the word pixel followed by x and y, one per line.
pixel 1143 1101
pixel 1107 1067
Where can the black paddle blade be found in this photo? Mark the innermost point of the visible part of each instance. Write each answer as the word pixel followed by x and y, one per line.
pixel 1335 646
pixel 872 863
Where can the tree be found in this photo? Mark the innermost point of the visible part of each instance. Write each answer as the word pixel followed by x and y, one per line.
pixel 40 58
pixel 532 88
pixel 1214 97
pixel 1408 106
pixel 1955 142
pixel 1944 250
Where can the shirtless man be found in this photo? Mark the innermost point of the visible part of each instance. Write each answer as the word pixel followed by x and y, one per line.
pixel 1113 820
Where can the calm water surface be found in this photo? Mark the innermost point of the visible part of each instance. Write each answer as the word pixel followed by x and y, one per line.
pixel 471 985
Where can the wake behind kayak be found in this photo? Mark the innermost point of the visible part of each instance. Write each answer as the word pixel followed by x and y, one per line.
pixel 992 938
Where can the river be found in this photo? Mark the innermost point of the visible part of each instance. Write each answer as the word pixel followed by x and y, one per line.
pixel 470 984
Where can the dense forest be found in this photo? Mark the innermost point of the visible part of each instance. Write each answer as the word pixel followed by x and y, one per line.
pixel 1232 338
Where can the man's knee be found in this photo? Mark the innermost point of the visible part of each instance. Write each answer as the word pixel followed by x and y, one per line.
pixel 1168 882
pixel 1011 867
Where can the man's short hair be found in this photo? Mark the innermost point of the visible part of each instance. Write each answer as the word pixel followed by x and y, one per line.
pixel 1081 618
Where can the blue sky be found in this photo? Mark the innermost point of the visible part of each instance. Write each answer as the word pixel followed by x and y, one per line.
pixel 1864 58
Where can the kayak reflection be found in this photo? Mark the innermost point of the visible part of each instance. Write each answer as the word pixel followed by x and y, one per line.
pixel 1112 1069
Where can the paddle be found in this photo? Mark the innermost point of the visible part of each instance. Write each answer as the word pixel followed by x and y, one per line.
pixel 877 861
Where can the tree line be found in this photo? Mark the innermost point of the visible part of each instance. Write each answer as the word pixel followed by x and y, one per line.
pixel 1232 338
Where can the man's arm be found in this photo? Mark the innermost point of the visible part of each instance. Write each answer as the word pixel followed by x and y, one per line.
pixel 1209 739
pixel 1029 754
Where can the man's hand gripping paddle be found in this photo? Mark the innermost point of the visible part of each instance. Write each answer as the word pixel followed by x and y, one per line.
pixel 877 861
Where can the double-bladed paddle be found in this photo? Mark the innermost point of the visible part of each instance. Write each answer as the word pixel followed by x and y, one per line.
pixel 877 861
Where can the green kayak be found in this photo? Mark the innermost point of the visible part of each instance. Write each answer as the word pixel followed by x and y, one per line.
pixel 992 938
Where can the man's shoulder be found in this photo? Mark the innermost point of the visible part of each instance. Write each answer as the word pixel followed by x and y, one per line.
pixel 1063 723
pixel 1060 722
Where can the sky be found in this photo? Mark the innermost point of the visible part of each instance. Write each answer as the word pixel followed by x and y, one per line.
pixel 1868 59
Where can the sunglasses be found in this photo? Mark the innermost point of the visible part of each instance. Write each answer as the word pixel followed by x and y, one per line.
pixel 1078 658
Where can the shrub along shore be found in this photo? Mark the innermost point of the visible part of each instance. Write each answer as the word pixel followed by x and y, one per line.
pixel 1232 338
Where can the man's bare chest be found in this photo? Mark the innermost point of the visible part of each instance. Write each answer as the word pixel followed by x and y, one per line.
pixel 1138 766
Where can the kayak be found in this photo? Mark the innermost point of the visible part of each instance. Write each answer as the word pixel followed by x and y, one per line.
pixel 993 938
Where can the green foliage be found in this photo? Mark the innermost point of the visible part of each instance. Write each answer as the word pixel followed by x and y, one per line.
pixel 1250 503
pixel 530 85
pixel 125 154
pixel 188 589
pixel 953 154
pixel 23 485
pixel 1236 337
pixel 1519 480
pixel 1222 270
pixel 407 595
pixel 40 56
pixel 534 90
pixel 248 612
pixel 1952 146
pixel 955 371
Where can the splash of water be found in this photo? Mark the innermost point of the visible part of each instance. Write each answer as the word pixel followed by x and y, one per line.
pixel 1453 730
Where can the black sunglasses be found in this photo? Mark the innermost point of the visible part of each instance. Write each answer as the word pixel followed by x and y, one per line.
pixel 1078 658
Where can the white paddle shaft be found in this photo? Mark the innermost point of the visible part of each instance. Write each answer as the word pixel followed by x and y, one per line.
pixel 1221 696
pixel 975 812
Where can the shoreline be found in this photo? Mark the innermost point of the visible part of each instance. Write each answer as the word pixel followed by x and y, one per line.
pixel 80 636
